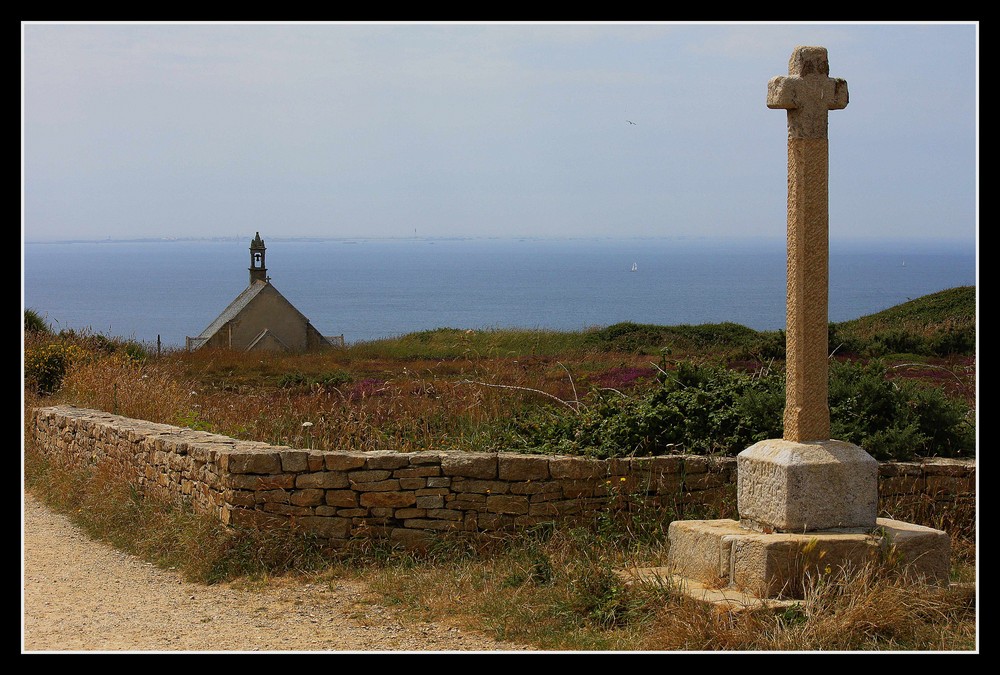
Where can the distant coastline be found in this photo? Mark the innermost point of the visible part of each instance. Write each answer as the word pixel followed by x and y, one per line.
pixel 883 243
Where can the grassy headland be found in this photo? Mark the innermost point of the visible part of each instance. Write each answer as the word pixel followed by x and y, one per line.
pixel 903 384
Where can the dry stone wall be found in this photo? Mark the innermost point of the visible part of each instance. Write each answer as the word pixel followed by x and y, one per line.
pixel 405 497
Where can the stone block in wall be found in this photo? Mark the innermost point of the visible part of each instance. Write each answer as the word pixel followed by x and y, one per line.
pixel 887 469
pixel 203 453
pixel 706 480
pixel 307 497
pixel 431 524
pixel 577 489
pixel 467 502
pixel 412 483
pixel 470 465
pixel 346 513
pixel 316 461
pixel 552 494
pixel 531 487
pixel 497 522
pixel 391 485
pixel 554 509
pixel 388 499
pixel 669 484
pixel 178 462
pixel 948 485
pixel 424 472
pixel 381 459
pixel 251 462
pixel 403 514
pixel 543 509
pixel 288 509
pixel 429 501
pixel 240 497
pixel 577 468
pixel 522 468
pixel 325 526
pixel 344 461
pixel 259 482
pixel 327 480
pixel 425 457
pixel 695 464
pixel 442 514
pixel 368 476
pixel 901 485
pixel 475 486
pixel 439 482
pixel 507 504
pixel 168 443
pixel 272 496
pixel 943 466
pixel 294 461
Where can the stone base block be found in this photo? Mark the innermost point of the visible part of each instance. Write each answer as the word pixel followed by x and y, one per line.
pixel 722 554
pixel 785 486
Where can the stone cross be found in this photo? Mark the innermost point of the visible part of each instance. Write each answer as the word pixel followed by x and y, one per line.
pixel 807 93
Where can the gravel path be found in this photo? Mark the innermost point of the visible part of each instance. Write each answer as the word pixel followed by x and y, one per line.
pixel 80 595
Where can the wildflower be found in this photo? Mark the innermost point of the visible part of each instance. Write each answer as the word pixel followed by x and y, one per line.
pixel 307 424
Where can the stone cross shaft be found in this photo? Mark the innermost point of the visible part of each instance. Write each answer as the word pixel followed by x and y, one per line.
pixel 807 93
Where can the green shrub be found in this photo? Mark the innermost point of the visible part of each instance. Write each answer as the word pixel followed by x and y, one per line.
pixel 34 323
pixel 707 409
pixel 949 340
pixel 896 419
pixel 45 366
pixel 701 409
pixel 731 338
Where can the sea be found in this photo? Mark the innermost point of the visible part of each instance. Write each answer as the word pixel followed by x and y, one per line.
pixel 161 291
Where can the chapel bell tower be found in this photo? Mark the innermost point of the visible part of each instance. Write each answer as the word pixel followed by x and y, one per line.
pixel 258 271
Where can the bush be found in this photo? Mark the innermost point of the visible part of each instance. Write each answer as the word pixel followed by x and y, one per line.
pixel 700 409
pixel 896 419
pixel 34 323
pixel 45 366
pixel 712 410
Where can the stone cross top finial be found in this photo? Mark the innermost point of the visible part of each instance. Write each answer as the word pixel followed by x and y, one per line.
pixel 807 93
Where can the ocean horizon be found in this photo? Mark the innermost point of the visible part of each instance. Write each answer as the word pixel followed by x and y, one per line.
pixel 368 289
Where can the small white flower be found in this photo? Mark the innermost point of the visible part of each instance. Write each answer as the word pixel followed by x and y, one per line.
pixel 307 424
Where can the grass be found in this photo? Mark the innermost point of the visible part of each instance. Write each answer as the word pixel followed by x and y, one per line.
pixel 451 389
pixel 546 587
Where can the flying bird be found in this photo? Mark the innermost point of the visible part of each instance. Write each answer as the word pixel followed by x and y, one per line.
pixel 630 122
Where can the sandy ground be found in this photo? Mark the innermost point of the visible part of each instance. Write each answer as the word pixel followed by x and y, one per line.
pixel 80 595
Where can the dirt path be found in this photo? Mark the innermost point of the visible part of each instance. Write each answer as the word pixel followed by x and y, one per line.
pixel 82 595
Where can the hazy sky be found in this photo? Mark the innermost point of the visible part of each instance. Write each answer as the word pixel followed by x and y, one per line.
pixel 348 130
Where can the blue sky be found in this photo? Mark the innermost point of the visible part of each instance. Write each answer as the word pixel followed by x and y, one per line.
pixel 485 130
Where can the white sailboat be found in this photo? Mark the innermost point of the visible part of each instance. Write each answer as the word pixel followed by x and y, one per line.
pixel 635 267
